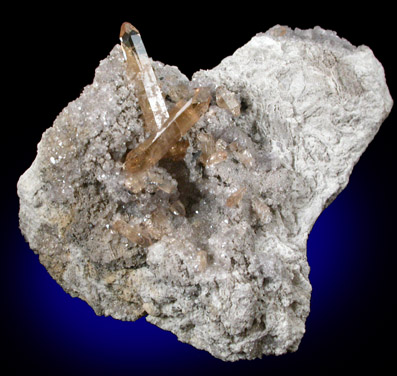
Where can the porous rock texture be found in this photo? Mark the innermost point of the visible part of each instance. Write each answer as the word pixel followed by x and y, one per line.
pixel 230 280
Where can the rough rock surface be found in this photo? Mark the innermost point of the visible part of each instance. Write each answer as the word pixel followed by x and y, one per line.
pixel 230 280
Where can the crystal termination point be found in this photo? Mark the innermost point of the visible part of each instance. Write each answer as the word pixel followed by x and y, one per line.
pixel 139 66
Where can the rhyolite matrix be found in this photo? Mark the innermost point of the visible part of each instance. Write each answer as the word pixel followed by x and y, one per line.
pixel 190 202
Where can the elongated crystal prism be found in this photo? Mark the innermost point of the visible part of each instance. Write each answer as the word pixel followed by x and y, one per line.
pixel 182 117
pixel 139 68
pixel 203 260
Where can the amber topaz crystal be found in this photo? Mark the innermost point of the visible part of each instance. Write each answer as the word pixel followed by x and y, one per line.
pixel 139 70
pixel 182 117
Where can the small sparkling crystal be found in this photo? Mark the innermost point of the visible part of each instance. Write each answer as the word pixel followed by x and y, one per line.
pixel 136 233
pixel 235 198
pixel 227 99
pixel 182 117
pixel 139 69
pixel 137 182
pixel 261 211
pixel 242 155
pixel 159 224
pixel 177 208
pixel 211 152
pixel 167 186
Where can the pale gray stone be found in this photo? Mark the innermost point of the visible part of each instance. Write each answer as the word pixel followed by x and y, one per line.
pixel 311 103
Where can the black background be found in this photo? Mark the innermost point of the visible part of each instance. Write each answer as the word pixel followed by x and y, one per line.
pixel 50 53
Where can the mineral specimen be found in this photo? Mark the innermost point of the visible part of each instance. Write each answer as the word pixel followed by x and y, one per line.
pixel 198 218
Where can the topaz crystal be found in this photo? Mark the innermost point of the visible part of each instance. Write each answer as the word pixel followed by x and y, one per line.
pixel 227 99
pixel 235 198
pixel 182 117
pixel 139 69
pixel 211 152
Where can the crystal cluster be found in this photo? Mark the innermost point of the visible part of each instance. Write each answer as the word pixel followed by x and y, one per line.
pixel 166 136
pixel 182 117
pixel 190 202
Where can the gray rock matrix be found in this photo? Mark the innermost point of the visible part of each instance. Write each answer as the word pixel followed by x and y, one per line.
pixel 311 104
